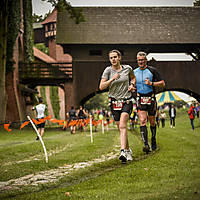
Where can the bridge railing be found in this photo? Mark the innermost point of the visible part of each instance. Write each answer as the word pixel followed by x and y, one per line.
pixel 45 72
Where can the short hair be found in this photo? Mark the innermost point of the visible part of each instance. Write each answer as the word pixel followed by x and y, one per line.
pixel 116 51
pixel 142 53
pixel 40 100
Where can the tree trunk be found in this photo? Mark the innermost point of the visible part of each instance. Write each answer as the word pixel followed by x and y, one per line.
pixel 3 46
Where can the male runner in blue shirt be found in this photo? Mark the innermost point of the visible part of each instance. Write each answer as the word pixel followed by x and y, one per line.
pixel 147 78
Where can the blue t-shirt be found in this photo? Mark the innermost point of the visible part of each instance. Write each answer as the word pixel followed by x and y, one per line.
pixel 141 74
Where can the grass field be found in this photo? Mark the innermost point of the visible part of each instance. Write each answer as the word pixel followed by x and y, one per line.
pixel 79 169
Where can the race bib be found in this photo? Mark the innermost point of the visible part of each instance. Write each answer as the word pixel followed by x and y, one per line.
pixel 117 105
pixel 145 100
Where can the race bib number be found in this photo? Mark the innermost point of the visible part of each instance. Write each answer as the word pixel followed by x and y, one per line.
pixel 145 100
pixel 117 105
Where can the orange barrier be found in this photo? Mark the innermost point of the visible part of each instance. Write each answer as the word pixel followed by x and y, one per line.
pixel 64 123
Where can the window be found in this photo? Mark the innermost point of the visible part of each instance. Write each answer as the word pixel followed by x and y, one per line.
pixel 95 53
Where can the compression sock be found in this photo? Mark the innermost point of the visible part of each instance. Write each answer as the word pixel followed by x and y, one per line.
pixel 144 134
pixel 153 137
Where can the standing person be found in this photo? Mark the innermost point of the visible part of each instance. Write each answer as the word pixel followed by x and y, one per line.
pixel 72 116
pixel 119 79
pixel 162 118
pixel 107 116
pixel 95 118
pixel 191 115
pixel 81 113
pixel 157 118
pixel 172 115
pixel 197 110
pixel 147 79
pixel 133 118
pixel 40 109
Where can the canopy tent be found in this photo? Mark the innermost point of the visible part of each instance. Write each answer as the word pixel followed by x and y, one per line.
pixel 167 97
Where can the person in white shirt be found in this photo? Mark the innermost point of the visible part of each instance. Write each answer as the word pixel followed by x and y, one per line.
pixel 40 109
pixel 172 115
pixel 162 118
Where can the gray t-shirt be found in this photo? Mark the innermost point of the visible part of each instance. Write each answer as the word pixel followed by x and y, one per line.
pixel 118 89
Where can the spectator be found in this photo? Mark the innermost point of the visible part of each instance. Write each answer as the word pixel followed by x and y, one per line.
pixel 81 113
pixel 157 118
pixel 172 115
pixel 197 110
pixel 72 116
pixel 191 114
pixel 162 118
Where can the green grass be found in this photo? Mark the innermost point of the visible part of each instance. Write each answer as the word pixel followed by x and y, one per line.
pixel 172 172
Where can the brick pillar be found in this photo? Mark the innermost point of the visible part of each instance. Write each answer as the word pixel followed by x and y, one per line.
pixel 69 96
pixel 52 48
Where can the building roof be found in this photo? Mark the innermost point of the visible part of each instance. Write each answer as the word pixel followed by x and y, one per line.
pixel 51 18
pixel 42 56
pixel 131 25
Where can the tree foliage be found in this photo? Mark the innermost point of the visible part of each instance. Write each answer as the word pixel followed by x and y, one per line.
pixel 98 101
pixel 13 30
pixel 197 3
pixel 42 47
pixel 39 18
pixel 62 5
pixel 28 31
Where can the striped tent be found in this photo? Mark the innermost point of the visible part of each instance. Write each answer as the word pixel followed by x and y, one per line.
pixel 167 97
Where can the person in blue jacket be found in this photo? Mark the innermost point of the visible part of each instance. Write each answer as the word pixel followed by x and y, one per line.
pixel 147 79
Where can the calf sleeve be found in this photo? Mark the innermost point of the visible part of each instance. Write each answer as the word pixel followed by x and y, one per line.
pixel 153 131
pixel 144 134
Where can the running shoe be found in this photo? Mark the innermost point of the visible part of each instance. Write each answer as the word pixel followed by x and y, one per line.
pixel 153 145
pixel 146 149
pixel 122 156
pixel 129 155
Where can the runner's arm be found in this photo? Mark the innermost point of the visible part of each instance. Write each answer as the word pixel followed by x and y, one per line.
pixel 104 83
pixel 155 83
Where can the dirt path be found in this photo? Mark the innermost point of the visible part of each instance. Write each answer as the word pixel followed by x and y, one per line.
pixel 53 175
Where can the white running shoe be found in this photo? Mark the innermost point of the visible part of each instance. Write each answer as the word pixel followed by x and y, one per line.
pixel 122 157
pixel 129 156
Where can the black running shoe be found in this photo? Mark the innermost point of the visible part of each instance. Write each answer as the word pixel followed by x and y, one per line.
pixel 122 157
pixel 37 138
pixel 146 149
pixel 153 145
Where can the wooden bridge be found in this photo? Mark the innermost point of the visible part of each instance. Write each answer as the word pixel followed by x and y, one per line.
pixel 80 79
pixel 46 74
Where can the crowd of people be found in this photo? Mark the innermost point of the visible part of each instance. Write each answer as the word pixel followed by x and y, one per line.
pixel 83 114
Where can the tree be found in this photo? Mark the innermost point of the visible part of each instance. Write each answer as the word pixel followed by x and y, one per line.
pixel 98 101
pixel 37 18
pixel 40 18
pixel 3 47
pixel 75 13
pixel 197 3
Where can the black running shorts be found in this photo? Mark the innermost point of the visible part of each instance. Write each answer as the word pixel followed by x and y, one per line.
pixel 127 108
